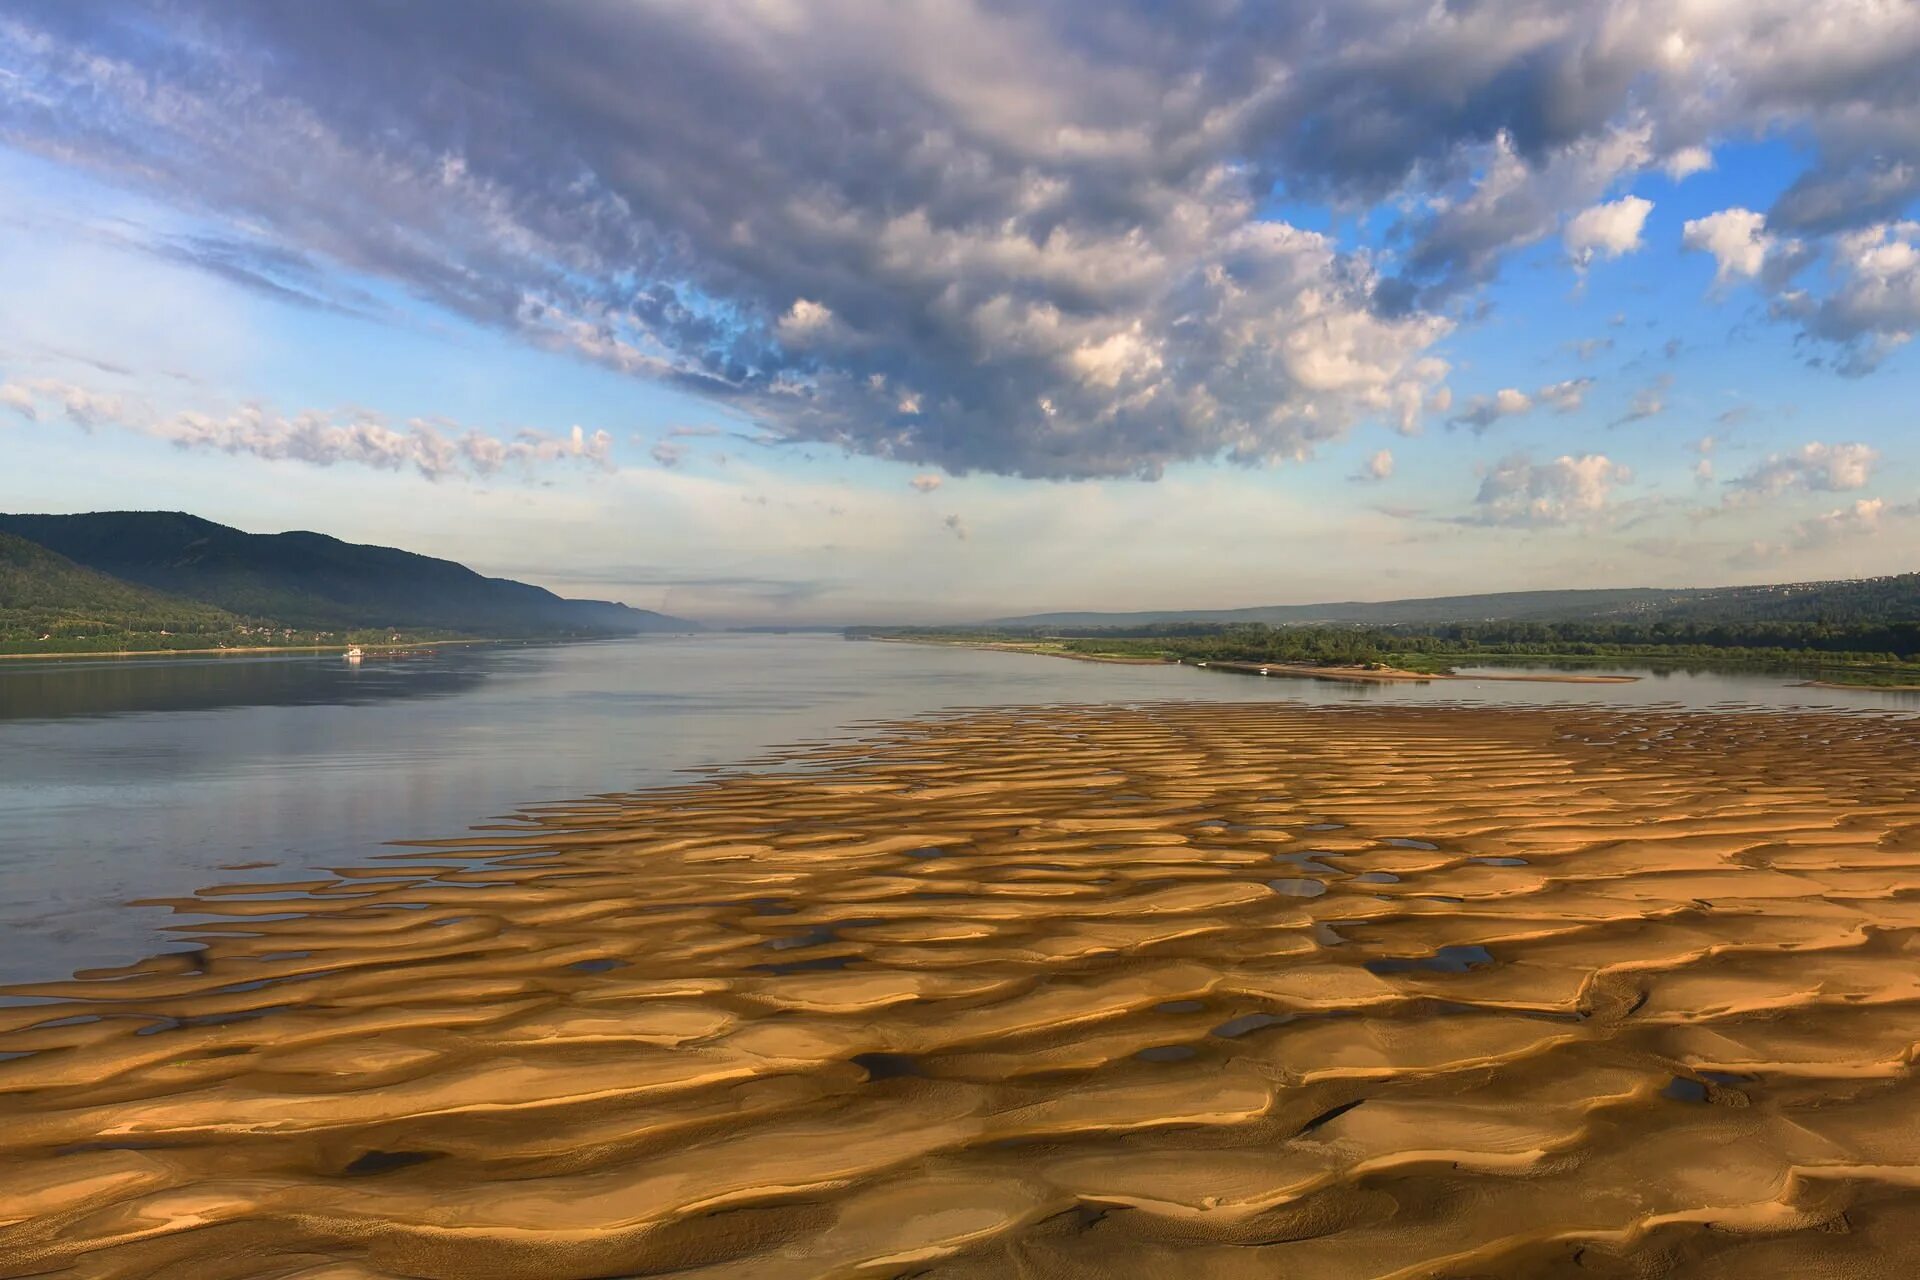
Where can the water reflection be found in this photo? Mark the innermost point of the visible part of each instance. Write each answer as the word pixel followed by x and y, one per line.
pixel 97 687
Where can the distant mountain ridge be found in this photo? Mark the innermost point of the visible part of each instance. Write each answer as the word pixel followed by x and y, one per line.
pixel 311 580
pixel 1839 600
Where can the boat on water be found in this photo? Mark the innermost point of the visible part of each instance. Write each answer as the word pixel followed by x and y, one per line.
pixel 354 654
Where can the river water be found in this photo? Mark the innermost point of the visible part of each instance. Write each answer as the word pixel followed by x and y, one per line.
pixel 130 779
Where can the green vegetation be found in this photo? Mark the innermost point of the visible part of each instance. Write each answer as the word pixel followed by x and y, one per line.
pixel 48 604
pixel 1864 652
pixel 1841 602
pixel 311 582
pixel 155 580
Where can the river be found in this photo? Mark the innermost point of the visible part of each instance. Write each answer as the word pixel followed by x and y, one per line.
pixel 129 779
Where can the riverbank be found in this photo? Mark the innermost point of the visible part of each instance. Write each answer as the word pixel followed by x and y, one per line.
pixel 1370 674
pixel 370 649
pixel 1183 989
pixel 1857 684
pixel 1394 675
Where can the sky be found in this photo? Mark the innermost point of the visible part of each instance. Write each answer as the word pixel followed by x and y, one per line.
pixel 822 311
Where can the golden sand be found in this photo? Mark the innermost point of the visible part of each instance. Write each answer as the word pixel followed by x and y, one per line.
pixel 1197 991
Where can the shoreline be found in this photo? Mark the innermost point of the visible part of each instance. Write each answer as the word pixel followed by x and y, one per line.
pixel 1285 670
pixel 1399 675
pixel 1842 684
pixel 240 649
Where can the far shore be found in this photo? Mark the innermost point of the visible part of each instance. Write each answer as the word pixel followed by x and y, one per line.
pixel 1843 684
pixel 1349 675
pixel 238 649
pixel 1399 675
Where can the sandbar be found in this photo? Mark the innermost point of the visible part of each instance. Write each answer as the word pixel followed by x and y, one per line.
pixel 1036 992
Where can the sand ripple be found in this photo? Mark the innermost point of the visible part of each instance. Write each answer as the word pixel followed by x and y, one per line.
pixel 1261 991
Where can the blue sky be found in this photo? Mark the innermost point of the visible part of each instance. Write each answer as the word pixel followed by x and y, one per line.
pixel 937 312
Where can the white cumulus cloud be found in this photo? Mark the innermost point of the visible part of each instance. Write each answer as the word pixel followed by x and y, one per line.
pixel 1520 491
pixel 1608 230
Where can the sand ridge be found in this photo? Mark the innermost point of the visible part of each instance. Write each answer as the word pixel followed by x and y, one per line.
pixel 1219 990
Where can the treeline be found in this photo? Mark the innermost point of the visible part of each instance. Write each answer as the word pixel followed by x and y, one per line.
pixel 1776 643
pixel 1315 646
pixel 1899 640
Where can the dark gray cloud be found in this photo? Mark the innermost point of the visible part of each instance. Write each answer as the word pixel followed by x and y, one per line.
pixel 1015 238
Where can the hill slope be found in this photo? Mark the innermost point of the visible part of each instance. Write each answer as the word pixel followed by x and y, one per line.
pixel 1853 600
pixel 311 580
pixel 46 596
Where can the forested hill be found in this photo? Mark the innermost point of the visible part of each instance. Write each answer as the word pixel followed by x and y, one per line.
pixel 309 580
pixel 1841 602
pixel 46 597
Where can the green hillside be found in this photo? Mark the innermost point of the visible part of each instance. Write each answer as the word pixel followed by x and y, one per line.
pixel 312 581
pixel 47 601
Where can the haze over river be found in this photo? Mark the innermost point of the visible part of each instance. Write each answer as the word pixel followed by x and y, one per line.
pixel 129 779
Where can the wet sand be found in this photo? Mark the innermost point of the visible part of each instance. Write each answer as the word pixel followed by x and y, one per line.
pixel 1182 990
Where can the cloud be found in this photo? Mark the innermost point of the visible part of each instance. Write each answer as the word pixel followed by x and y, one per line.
pixel 1588 348
pixel 1876 306
pixel 957 527
pixel 925 483
pixel 1378 466
pixel 1687 161
pixel 1007 238
pixel 435 448
pixel 1843 524
pixel 1877 189
pixel 668 454
pixel 20 400
pixel 82 406
pixel 1703 470
pixel 1565 397
pixel 1647 402
pixel 1606 230
pixel 1814 467
pixel 1518 491
pixel 1481 412
pixel 1736 238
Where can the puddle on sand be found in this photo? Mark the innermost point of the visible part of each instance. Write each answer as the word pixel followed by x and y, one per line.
pixel 1309 860
pixel 1167 1053
pixel 1498 862
pixel 1294 887
pixel 373 1163
pixel 1403 842
pixel 1681 1089
pixel 1234 1028
pixel 887 1066
pixel 818 964
pixel 1456 959
pixel 1377 877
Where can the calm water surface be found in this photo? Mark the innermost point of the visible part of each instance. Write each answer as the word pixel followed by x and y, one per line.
pixel 122 780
